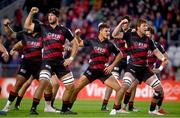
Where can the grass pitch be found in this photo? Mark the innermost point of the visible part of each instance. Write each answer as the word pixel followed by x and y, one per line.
pixel 90 108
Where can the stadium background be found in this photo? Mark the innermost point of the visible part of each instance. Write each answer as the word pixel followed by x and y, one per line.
pixel 164 15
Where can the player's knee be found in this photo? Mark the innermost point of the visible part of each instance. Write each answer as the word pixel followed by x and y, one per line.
pixel 69 87
pixel 124 87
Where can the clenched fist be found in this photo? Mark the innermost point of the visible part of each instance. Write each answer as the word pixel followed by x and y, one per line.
pixel 34 10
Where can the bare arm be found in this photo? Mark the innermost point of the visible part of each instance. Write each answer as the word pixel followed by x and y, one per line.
pixel 117 33
pixel 16 47
pixel 29 25
pixel 5 54
pixel 74 49
pixel 116 60
pixel 78 38
pixel 8 29
pixel 160 56
pixel 3 49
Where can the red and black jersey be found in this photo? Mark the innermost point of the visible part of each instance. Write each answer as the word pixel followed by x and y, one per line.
pixel 152 59
pixel 53 40
pixel 138 48
pixel 32 46
pixel 122 46
pixel 100 52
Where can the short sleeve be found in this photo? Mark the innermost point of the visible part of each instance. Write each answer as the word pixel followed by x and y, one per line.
pixel 113 49
pixel 151 45
pixel 19 35
pixel 37 27
pixel 159 46
pixel 68 34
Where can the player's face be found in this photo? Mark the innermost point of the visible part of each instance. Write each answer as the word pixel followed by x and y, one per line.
pixel 105 32
pixel 148 34
pixel 143 28
pixel 52 19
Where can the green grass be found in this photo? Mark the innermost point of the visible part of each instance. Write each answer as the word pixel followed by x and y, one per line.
pixel 90 108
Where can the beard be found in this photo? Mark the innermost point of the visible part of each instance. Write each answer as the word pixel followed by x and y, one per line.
pixel 52 22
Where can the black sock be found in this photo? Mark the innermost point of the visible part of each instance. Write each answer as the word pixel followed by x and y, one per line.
pixel 70 105
pixel 153 106
pixel 35 103
pixel 18 101
pixel 131 105
pixel 105 102
pixel 127 97
pixel 12 96
pixel 117 107
pixel 65 106
pixel 160 102
pixel 52 102
pixel 48 97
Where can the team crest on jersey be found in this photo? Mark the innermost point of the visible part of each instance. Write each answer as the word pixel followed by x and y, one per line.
pixel 54 36
pixel 99 49
pixel 35 44
pixel 140 45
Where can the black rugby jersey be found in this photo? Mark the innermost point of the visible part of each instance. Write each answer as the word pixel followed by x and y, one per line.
pixel 152 59
pixel 122 45
pixel 138 48
pixel 100 52
pixel 53 40
pixel 32 46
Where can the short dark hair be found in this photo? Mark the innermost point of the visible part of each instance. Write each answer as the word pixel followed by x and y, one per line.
pixel 127 17
pixel 54 11
pixel 151 29
pixel 140 21
pixel 102 26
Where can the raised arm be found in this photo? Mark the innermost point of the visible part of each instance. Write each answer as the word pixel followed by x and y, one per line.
pixel 78 38
pixel 29 25
pixel 8 29
pixel 117 34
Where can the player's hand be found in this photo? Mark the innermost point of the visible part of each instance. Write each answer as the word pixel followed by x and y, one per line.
pixel 78 32
pixel 34 10
pixel 6 21
pixel 124 21
pixel 108 69
pixel 12 52
pixel 165 62
pixel 68 61
pixel 5 56
pixel 156 70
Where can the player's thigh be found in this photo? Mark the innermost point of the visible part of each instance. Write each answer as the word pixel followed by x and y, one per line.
pixel 54 80
pixel 113 83
pixel 81 83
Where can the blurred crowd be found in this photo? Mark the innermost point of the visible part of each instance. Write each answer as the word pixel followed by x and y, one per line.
pixel 87 14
